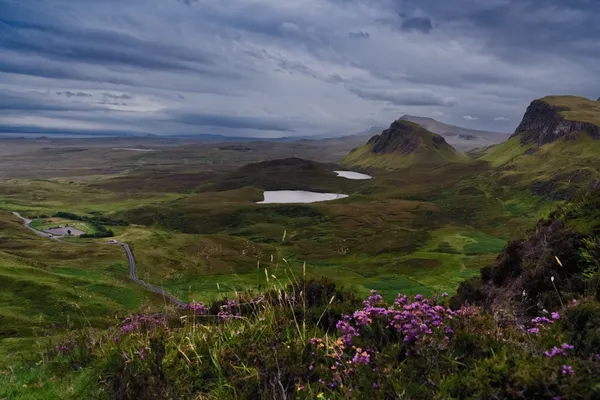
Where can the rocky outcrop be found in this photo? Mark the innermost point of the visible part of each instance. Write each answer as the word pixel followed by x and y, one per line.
pixel 404 137
pixel 543 124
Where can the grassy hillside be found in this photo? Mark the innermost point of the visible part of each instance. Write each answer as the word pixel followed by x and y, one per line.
pixel 556 170
pixel 403 145
pixel 47 286
pixel 310 339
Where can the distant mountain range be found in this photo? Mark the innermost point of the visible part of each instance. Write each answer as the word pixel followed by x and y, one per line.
pixel 462 139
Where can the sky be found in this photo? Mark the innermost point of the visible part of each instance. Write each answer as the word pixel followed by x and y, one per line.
pixel 272 68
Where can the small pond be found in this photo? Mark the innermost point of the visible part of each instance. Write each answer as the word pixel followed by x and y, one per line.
pixel 298 196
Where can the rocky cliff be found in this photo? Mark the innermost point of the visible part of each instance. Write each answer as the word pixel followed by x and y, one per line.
pixel 546 121
pixel 406 138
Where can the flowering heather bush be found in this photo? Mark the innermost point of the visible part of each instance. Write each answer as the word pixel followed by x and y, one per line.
pixel 199 308
pixel 264 347
pixel 406 320
pixel 144 323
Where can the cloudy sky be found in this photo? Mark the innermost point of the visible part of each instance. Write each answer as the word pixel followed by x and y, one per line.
pixel 287 67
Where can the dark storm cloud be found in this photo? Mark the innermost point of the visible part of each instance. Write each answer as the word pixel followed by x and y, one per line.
pixel 24 30
pixel 360 35
pixel 516 27
pixel 422 24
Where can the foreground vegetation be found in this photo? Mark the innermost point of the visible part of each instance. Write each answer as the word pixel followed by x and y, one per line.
pixel 528 327
pixel 322 345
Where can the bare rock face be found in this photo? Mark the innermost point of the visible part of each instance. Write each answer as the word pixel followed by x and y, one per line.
pixel 543 124
pixel 402 137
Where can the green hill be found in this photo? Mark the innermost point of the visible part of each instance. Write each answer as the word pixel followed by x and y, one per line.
pixel 281 174
pixel 402 145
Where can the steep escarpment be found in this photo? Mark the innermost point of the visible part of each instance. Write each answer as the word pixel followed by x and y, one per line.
pixel 552 118
pixel 560 255
pixel 402 145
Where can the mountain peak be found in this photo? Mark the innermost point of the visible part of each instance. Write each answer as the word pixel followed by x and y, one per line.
pixel 404 137
pixel 554 117
pixel 402 145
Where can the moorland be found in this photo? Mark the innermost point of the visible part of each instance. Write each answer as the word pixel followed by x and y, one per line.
pixel 427 222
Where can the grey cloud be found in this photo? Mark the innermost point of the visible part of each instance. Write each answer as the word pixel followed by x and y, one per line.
pixel 409 97
pixel 22 129
pixel 286 65
pixel 30 102
pixel 118 96
pixel 69 94
pixel 230 121
pixel 49 70
pixel 27 31
pixel 422 24
pixel 360 35
pixel 506 25
pixel 337 63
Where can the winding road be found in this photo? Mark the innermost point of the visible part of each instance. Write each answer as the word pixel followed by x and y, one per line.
pixel 27 223
pixel 148 286
pixel 130 258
